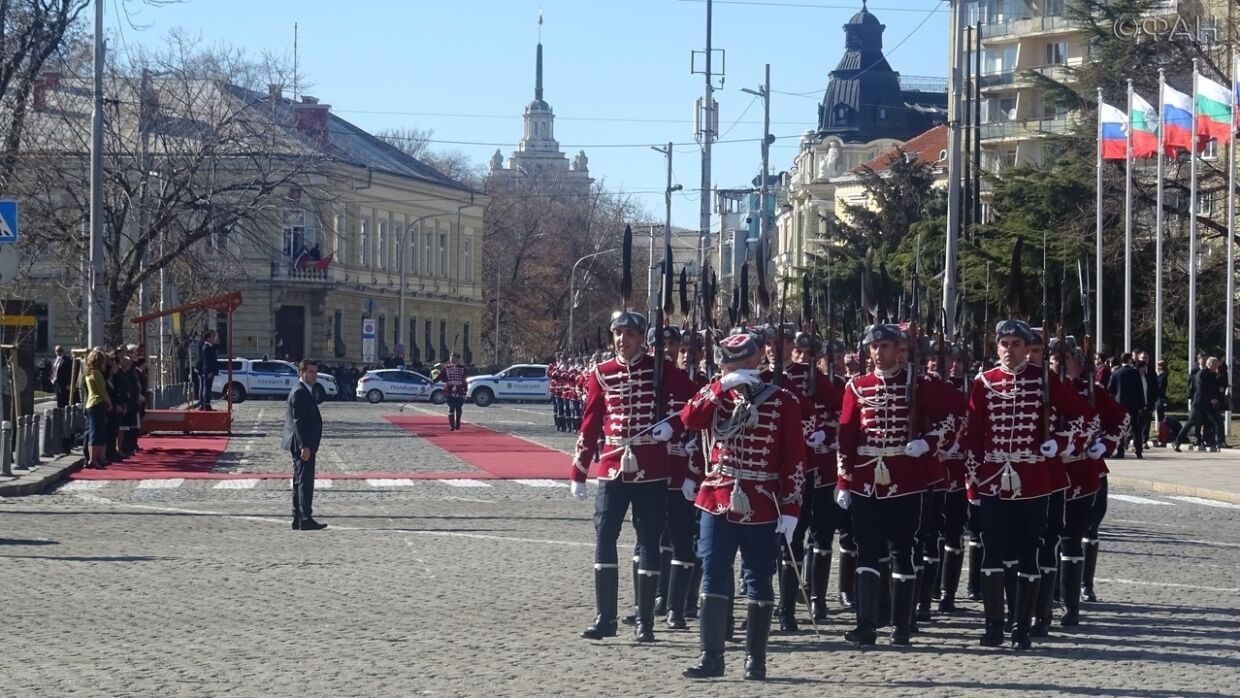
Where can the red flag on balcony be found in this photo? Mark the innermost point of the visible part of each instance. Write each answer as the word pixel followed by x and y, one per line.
pixel 323 264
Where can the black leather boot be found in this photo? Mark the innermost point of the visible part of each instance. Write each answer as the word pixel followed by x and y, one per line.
pixel 757 631
pixel 975 568
pixel 953 561
pixel 679 574
pixel 660 599
pixel 992 605
pixel 884 594
pixel 902 592
pixel 865 633
pixel 789 591
pixel 925 592
pixel 848 578
pixel 695 587
pixel 647 587
pixel 631 619
pixel 819 575
pixel 606 586
pixel 1087 575
pixel 936 588
pixel 1044 607
pixel 1073 568
pixel 712 627
pixel 1026 597
pixel 1010 577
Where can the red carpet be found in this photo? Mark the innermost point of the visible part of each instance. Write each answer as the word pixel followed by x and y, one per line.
pixel 499 456
pixel 166 456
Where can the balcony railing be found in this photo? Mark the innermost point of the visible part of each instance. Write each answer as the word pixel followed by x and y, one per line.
pixel 1029 25
pixel 1026 129
pixel 284 271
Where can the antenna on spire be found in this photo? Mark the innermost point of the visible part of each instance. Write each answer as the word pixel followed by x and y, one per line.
pixel 294 61
pixel 538 87
pixel 540 25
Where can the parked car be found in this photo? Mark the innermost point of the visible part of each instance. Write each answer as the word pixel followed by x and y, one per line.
pixel 265 378
pixel 521 382
pixel 394 384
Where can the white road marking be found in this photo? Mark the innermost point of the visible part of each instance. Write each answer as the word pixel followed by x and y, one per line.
pixel 1141 582
pixel 1138 500
pixel 541 483
pixel 242 484
pixel 464 482
pixel 163 484
pixel 390 482
pixel 321 484
pixel 83 485
pixel 1206 502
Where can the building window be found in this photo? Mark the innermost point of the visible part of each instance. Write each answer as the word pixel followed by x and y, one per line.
pixel 467 259
pixel 1211 150
pixel 294 232
pixel 428 253
pixel 381 244
pixel 342 239
pixel 363 243
pixel 443 254
pixel 1056 53
pixel 1205 204
pixel 413 250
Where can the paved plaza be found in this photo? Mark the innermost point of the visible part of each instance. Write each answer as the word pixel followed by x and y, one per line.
pixel 437 578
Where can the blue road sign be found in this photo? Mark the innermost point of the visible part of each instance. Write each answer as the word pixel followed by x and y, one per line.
pixel 8 221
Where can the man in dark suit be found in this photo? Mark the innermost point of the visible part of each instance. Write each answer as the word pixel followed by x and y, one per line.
pixel 62 369
pixel 1146 367
pixel 1128 388
pixel 1203 400
pixel 207 368
pixel 303 430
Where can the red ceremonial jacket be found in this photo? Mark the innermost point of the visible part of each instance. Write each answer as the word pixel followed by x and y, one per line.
pixel 949 473
pixel 620 411
pixel 1005 413
pixel 453 377
pixel 765 458
pixel 874 430
pixel 826 410
pixel 1108 425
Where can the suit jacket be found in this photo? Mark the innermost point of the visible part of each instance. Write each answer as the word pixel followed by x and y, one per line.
pixel 1151 389
pixel 1126 386
pixel 1203 387
pixel 207 359
pixel 62 370
pixel 303 425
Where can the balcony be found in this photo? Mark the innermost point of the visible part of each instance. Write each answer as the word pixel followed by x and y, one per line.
pixel 1029 128
pixel 1020 78
pixel 283 271
pixel 1016 29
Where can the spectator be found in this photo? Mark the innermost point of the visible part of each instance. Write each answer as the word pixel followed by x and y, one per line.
pixel 1128 388
pixel 1161 376
pixel 1224 405
pixel 98 407
pixel 1102 374
pixel 1151 395
pixel 1204 390
pixel 1201 363
pixel 62 375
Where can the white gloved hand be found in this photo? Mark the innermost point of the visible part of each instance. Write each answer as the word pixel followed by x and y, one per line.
pixel 691 446
pixel 661 431
pixel 578 489
pixel 1097 451
pixel 739 377
pixel 787 525
pixel 843 498
pixel 689 490
pixel 816 439
pixel 916 448
pixel 1049 448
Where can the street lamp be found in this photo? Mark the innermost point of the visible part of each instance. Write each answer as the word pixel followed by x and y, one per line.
pixel 404 233
pixel 572 296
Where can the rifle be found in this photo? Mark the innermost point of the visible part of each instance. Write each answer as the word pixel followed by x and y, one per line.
pixel 914 428
pixel 778 367
pixel 664 309
pixel 830 325
pixel 699 302
pixel 1087 345
pixel 708 323
pixel 1046 359
pixel 807 326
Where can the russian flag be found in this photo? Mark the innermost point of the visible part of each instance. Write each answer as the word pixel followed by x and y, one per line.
pixel 1114 132
pixel 1177 118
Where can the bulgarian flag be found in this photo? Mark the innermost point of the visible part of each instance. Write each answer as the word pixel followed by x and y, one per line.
pixel 1215 110
pixel 1144 124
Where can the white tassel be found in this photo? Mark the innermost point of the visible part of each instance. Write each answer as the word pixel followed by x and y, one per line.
pixel 739 502
pixel 628 461
pixel 882 476
pixel 1009 480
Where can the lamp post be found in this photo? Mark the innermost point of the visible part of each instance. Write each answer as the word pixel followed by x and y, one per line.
pixel 404 234
pixel 572 299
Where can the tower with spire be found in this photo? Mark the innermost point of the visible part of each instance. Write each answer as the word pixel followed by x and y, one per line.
pixel 538 155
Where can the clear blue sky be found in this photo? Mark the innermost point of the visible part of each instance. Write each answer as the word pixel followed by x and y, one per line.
pixel 616 73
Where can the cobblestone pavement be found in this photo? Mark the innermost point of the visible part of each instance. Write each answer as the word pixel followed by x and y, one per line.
pixel 434 588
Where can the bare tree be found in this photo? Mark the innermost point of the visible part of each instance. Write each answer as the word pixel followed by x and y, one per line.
pixel 416 143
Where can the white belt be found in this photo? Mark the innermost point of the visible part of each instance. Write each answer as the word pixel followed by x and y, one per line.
pixel 675 448
pixel 642 440
pixel 876 452
pixel 745 474
pixel 1005 458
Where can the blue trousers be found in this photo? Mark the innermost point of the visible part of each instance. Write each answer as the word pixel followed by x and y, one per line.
pixel 718 542
pixel 649 503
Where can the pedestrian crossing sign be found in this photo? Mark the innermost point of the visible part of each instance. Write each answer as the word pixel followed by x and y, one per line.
pixel 8 221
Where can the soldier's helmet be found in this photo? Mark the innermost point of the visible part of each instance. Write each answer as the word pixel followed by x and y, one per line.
pixel 628 320
pixel 735 349
pixel 1014 328
pixel 882 333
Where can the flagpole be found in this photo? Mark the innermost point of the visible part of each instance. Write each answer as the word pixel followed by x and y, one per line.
pixel 1192 232
pixel 1098 234
pixel 1158 225
pixel 1231 245
pixel 1128 226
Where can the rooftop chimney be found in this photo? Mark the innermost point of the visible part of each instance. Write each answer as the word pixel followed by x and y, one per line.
pixel 275 92
pixel 312 118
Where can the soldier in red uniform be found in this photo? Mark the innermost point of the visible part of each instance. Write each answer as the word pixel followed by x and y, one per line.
pixel 634 468
pixel 1086 471
pixel 955 503
pixel 555 376
pixel 751 495
pixel 454 387
pixel 1010 464
pixel 840 373
pixel 882 475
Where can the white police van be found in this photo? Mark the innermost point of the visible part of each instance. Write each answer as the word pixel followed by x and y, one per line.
pixel 521 382
pixel 263 378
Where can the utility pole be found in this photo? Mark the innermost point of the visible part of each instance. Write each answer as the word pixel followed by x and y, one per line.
pixel 953 178
pixel 95 312
pixel 707 131
pixel 144 155
pixel 667 226
pixel 763 197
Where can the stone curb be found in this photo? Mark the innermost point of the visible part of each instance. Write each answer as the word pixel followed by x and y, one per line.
pixel 1174 488
pixel 48 474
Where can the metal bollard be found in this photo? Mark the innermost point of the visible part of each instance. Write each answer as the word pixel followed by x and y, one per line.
pixel 49 434
pixel 6 447
pixel 32 440
pixel 19 441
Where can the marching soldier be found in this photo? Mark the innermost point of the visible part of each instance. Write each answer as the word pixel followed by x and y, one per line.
pixel 555 376
pixel 882 474
pixel 750 496
pixel 634 468
pixel 955 503
pixel 1011 447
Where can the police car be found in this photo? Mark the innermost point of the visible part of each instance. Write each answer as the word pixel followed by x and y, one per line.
pixel 262 378
pixel 397 384
pixel 522 382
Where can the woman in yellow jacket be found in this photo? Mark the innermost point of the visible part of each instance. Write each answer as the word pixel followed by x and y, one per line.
pixel 98 406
